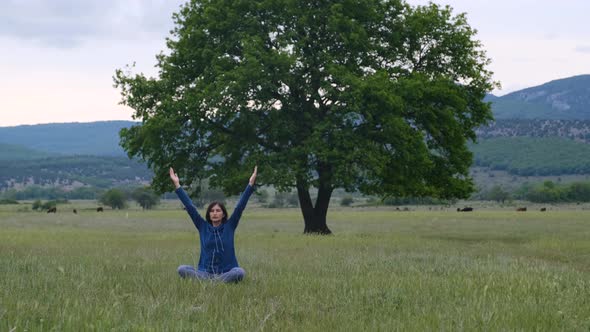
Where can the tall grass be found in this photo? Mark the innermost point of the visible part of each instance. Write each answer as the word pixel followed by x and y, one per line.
pixel 381 271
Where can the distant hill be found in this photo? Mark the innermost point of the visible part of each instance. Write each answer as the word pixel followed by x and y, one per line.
pixel 94 138
pixel 19 152
pixel 563 99
pixel 490 97
pixel 68 155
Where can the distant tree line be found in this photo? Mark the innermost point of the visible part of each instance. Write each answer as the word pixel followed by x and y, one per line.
pixel 117 198
pixel 411 201
pixel 52 193
pixel 546 192
pixel 38 205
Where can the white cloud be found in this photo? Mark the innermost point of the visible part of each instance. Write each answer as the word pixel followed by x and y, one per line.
pixel 68 24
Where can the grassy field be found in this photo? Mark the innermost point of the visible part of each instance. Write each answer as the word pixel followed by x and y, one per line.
pixel 382 271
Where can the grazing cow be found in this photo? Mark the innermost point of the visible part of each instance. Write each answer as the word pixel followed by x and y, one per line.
pixel 465 209
pixel 99 209
pixel 52 210
pixel 543 209
pixel 75 212
pixel 521 209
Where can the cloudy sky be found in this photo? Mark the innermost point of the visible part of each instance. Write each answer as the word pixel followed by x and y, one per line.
pixel 58 57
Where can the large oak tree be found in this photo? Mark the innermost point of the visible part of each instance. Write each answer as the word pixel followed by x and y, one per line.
pixel 374 96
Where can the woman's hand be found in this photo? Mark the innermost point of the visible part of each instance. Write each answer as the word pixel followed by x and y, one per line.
pixel 174 178
pixel 253 177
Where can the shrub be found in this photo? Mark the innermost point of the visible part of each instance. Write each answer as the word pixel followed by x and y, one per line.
pixel 114 198
pixel 145 197
pixel 37 205
pixel 48 205
pixel 346 201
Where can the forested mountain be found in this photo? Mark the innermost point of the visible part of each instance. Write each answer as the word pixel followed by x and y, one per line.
pixel 94 138
pixel 17 152
pixel 68 156
pixel 533 156
pixel 542 130
pixel 534 147
pixel 564 99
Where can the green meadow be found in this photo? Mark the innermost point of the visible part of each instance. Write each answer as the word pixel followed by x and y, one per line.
pixel 383 270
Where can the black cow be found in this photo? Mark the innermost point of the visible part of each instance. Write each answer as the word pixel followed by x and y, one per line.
pixel 521 209
pixel 99 209
pixel 465 209
pixel 543 209
pixel 52 210
pixel 75 211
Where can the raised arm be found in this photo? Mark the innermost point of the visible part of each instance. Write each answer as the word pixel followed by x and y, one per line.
pixel 186 201
pixel 235 217
pixel 253 177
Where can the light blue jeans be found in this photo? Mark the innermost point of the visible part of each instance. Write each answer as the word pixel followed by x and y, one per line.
pixel 234 275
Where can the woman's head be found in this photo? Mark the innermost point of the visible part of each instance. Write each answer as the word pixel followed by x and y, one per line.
pixel 216 212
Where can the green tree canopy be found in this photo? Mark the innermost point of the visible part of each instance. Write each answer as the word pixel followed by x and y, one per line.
pixel 37 205
pixel 374 96
pixel 498 194
pixel 114 198
pixel 145 197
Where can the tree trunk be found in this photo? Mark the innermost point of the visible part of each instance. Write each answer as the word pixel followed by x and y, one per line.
pixel 314 217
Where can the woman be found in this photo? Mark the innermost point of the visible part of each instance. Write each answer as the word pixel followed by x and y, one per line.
pixel 218 258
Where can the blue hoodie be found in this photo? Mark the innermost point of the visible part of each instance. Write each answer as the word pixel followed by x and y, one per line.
pixel 217 243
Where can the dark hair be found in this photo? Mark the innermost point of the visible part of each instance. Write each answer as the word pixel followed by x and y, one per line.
pixel 211 207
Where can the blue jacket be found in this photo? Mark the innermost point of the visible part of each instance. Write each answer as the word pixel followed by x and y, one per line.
pixel 217 243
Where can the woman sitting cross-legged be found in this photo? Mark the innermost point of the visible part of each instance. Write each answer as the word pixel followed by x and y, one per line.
pixel 218 258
